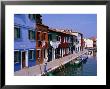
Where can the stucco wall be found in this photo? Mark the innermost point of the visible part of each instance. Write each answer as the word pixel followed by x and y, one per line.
pixel 88 43
pixel 24 23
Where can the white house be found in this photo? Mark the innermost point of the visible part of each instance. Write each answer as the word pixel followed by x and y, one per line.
pixel 88 43
pixel 78 44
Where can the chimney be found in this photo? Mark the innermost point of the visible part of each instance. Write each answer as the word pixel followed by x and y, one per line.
pixel 38 19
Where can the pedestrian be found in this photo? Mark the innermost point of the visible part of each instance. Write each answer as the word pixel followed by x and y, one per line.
pixel 45 68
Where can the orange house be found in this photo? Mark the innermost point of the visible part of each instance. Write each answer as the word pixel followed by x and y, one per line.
pixel 41 43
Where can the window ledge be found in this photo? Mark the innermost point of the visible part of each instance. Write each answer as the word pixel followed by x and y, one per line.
pixel 18 39
pixel 32 40
pixel 16 62
pixel 31 59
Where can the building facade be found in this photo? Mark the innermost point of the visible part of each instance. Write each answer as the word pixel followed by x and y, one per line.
pixel 61 44
pixel 24 41
pixel 41 41
pixel 36 43
pixel 79 43
pixel 88 43
pixel 91 43
pixel 54 40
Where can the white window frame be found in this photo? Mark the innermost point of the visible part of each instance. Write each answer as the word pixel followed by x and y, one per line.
pixel 32 53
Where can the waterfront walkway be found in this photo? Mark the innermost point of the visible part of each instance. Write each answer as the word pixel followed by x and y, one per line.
pixel 38 70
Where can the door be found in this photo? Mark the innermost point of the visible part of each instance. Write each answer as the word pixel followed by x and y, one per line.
pixel 23 59
pixel 49 54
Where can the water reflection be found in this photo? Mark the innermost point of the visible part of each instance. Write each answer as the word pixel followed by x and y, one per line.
pixel 86 68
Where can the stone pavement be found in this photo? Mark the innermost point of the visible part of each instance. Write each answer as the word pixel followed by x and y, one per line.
pixel 38 70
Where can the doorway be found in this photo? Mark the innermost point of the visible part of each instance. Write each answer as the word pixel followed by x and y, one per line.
pixel 49 54
pixel 23 59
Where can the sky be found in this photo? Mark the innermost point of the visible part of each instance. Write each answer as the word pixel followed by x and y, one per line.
pixel 84 23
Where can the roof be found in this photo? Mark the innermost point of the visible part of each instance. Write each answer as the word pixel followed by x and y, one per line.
pixel 61 31
pixel 93 38
pixel 42 25
pixel 77 32
pixel 24 21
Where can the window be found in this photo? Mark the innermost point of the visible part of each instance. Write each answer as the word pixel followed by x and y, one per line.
pixel 31 54
pixel 39 43
pixel 58 38
pixel 38 35
pixel 17 56
pixel 17 33
pixel 44 36
pixel 38 53
pixel 32 16
pixel 63 39
pixel 76 40
pixel 71 39
pixel 49 37
pixel 31 35
pixel 67 39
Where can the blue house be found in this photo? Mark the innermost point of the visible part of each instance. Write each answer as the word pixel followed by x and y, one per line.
pixel 24 41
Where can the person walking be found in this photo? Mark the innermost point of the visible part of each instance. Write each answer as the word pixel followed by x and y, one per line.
pixel 45 68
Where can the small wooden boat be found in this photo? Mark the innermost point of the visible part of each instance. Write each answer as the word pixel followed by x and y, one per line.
pixel 81 59
pixel 84 57
pixel 77 62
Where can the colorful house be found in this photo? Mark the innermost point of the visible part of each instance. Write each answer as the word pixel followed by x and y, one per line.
pixel 24 41
pixel 79 43
pixel 91 43
pixel 69 41
pixel 61 44
pixel 54 40
pixel 41 41
pixel 36 43
pixel 94 41
pixel 88 43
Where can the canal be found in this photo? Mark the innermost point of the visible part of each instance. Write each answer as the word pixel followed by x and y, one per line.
pixel 85 68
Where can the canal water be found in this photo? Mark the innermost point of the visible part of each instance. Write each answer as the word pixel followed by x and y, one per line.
pixel 85 68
